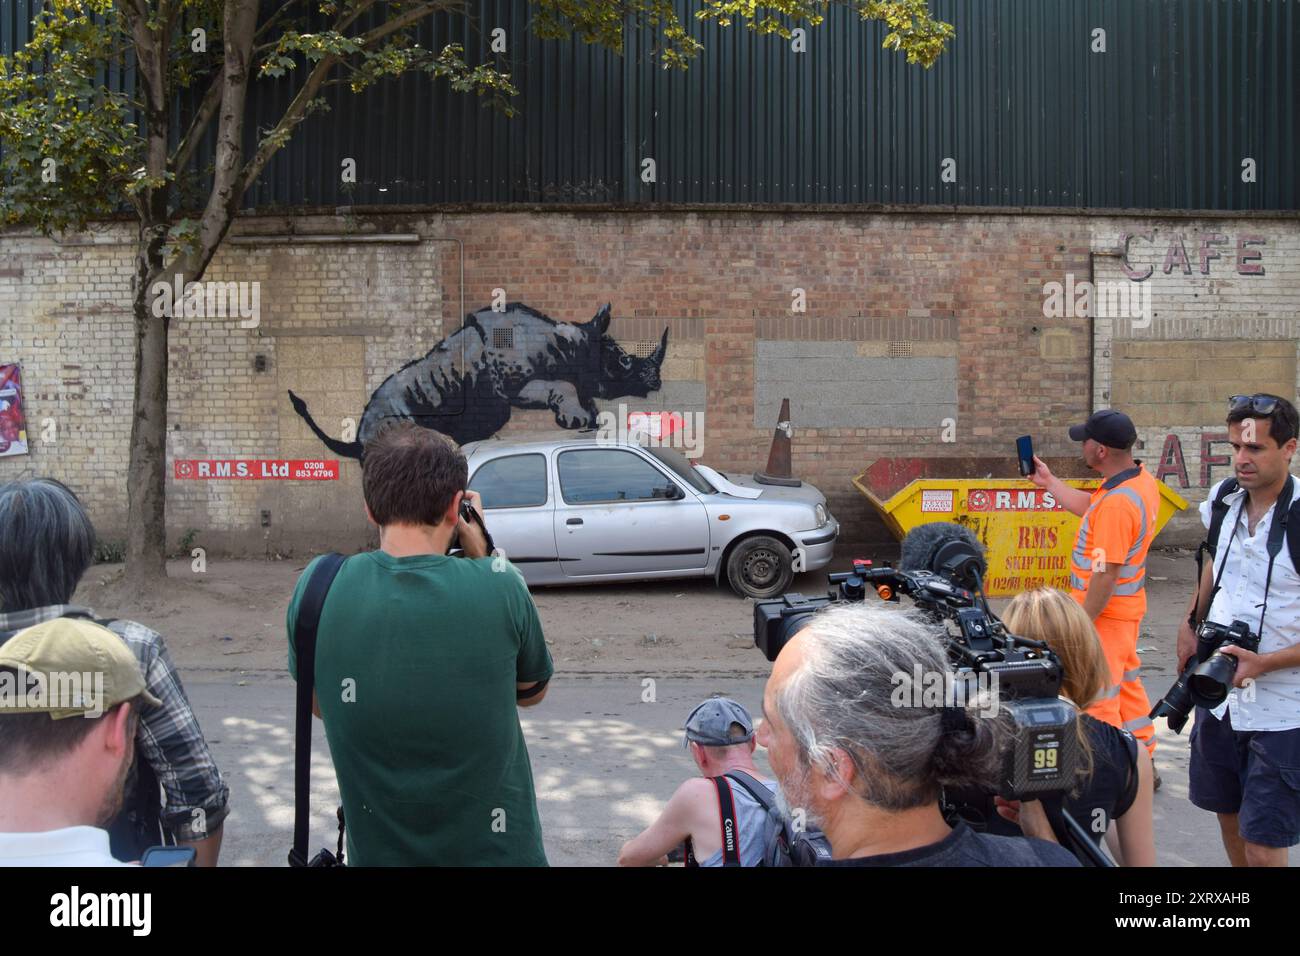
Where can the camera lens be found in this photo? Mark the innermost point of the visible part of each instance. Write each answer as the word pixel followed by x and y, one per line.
pixel 1210 682
pixel 1174 707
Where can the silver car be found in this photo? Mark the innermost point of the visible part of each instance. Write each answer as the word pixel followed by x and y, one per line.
pixel 578 510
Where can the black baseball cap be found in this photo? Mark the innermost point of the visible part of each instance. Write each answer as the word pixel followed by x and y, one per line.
pixel 1106 427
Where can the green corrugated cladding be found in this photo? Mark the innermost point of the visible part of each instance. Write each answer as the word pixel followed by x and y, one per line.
pixel 1030 115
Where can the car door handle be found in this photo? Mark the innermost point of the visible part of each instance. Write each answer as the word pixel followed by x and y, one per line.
pixel 574 521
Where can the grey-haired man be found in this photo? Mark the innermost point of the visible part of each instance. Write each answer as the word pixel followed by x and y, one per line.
pixel 714 815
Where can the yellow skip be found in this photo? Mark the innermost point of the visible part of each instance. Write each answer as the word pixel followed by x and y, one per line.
pixel 1027 533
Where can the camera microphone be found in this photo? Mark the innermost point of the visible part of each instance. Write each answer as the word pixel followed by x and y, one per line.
pixel 945 548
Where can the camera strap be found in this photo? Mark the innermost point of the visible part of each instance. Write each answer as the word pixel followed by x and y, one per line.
pixel 726 820
pixel 304 643
pixel 730 827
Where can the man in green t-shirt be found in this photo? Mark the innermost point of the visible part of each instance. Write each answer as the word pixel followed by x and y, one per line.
pixel 421 661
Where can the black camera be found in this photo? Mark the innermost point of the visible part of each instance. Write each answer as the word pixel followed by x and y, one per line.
pixel 1023 673
pixel 470 516
pixel 1207 678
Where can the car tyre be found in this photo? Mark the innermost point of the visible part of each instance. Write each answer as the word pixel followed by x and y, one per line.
pixel 760 567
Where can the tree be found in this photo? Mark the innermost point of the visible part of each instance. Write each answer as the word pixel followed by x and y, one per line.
pixel 73 148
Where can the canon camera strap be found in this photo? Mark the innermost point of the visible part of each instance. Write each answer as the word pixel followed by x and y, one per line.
pixel 730 829
pixel 727 817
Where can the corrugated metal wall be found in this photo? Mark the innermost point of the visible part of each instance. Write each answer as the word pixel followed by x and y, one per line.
pixel 1185 91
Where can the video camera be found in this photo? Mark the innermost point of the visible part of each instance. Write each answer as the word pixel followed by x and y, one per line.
pixel 941 571
pixel 1207 678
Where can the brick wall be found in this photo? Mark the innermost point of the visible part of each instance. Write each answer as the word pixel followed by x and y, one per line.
pixel 1224 319
pixel 916 328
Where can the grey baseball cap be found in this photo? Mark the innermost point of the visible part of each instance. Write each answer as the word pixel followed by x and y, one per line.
pixel 709 723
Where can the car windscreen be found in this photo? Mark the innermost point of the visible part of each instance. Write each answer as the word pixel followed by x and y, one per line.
pixel 675 460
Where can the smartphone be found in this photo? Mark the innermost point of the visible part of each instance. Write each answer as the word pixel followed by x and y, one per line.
pixel 168 856
pixel 1025 455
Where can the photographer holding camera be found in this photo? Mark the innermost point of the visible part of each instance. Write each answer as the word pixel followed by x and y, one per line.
pixel 1245 763
pixel 421 662
pixel 869 773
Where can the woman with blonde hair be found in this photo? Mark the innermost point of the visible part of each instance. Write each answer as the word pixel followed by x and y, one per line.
pixel 1116 784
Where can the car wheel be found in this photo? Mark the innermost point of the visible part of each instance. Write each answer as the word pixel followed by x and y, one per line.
pixel 760 568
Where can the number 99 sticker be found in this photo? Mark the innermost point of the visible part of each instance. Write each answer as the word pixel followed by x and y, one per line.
pixel 1045 758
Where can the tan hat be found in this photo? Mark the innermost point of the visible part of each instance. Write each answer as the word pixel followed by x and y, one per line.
pixel 69 668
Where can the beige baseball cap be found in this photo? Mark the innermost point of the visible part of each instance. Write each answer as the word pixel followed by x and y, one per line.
pixel 69 668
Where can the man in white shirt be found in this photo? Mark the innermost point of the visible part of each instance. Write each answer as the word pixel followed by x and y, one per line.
pixel 1245 763
pixel 69 690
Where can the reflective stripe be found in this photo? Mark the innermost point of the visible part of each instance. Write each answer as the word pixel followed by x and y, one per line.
pixel 1125 570
pixel 1137 723
pixel 1078 583
pixel 1081 541
pixel 1080 553
pixel 1113 692
pixel 1129 588
pixel 1134 497
pixel 1130 675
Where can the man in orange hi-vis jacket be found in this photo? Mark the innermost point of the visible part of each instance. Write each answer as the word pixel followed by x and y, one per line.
pixel 1108 564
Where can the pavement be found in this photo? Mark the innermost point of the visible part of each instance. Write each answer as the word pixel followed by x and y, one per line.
pixel 605 760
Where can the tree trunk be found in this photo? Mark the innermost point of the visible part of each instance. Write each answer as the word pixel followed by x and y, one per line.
pixel 146 541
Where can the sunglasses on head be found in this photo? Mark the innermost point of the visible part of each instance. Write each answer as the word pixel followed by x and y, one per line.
pixel 1261 404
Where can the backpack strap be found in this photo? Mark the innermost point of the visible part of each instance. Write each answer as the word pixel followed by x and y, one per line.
pixel 730 829
pixel 1277 531
pixel 1218 510
pixel 755 789
pixel 1291 517
pixel 304 643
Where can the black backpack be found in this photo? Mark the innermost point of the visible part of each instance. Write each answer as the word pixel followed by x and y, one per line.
pixel 1219 509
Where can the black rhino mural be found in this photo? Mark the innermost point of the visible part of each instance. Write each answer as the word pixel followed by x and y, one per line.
pixel 467 384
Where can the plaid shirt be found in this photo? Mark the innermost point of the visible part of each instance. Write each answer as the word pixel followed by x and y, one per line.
pixel 168 738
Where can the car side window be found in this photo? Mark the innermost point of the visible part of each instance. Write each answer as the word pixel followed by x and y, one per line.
pixel 516 481
pixel 608 475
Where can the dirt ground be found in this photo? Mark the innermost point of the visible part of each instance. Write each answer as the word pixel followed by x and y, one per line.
pixel 230 618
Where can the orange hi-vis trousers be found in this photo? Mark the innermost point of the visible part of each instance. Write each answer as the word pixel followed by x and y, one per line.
pixel 1124 704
